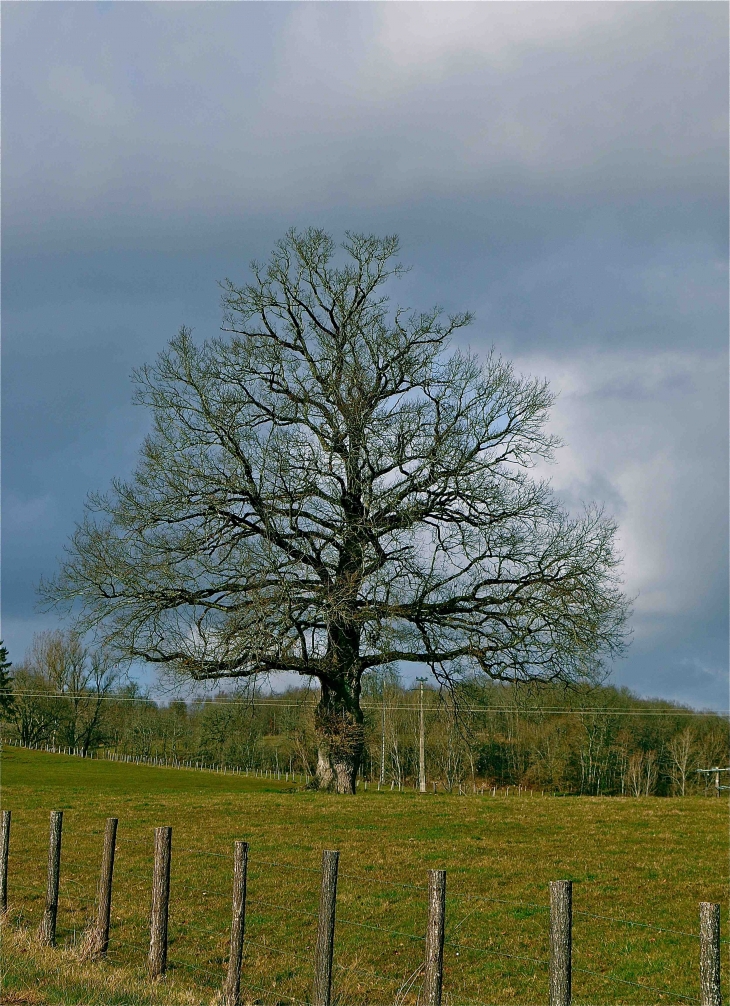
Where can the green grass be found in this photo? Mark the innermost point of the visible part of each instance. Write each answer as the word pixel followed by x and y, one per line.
pixel 650 860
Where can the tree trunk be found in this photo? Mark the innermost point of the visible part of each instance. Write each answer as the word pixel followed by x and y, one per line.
pixel 340 737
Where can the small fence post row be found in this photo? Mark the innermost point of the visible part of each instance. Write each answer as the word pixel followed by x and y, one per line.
pixel 561 898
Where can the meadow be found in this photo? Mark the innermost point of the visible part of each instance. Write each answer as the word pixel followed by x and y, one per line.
pixel 640 866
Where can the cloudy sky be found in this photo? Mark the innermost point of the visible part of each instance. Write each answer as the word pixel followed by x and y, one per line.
pixel 558 168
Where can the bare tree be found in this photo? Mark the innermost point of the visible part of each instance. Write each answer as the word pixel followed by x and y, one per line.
pixel 35 710
pixel 635 773
pixel 328 491
pixel 79 679
pixel 681 749
pixel 642 772
pixel 651 772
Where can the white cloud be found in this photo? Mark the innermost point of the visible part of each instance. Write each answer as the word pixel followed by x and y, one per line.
pixel 420 36
pixel 641 430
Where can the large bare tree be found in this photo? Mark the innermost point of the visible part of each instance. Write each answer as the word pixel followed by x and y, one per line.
pixel 329 489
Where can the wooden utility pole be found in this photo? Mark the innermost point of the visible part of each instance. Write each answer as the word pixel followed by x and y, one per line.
pixel 714 771
pixel 421 743
pixel 382 744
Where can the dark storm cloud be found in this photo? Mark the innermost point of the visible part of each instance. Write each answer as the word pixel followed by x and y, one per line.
pixel 558 168
pixel 120 112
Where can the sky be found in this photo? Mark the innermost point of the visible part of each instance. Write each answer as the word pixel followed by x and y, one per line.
pixel 560 169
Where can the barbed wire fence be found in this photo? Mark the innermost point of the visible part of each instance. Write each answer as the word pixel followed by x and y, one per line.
pixel 301 777
pixel 421 979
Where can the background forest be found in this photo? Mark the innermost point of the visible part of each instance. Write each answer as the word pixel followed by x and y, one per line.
pixel 597 741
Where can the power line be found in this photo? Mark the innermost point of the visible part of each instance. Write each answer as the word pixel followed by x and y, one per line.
pixel 367 707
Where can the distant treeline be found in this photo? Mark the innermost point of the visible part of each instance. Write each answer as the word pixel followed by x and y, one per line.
pixel 600 741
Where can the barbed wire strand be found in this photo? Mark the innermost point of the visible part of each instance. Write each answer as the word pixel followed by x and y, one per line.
pixel 458 946
pixel 223 936
pixel 598 974
pixel 495 953
pixel 477 897
pixel 631 922
pixel 638 985
pixel 348 968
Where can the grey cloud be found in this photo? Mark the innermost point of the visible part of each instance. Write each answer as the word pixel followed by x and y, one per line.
pixel 182 108
pixel 558 168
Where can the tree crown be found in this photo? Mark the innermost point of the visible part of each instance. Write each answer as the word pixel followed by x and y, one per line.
pixel 328 489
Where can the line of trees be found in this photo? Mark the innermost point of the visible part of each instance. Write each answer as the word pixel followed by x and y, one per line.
pixel 58 694
pixel 598 741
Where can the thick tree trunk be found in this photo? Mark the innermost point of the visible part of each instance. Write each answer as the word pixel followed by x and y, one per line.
pixel 340 737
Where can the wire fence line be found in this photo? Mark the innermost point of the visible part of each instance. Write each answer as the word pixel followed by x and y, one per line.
pixel 367 878
pixel 420 888
pixel 643 925
pixel 303 776
pixel 371 878
pixel 637 985
pixel 71 897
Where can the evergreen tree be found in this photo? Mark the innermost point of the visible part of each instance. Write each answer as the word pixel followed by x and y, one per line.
pixel 6 683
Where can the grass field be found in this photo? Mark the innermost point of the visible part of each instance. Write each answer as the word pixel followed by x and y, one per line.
pixel 643 861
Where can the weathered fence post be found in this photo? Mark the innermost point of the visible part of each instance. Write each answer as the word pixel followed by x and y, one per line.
pixel 4 849
pixel 100 938
pixel 157 961
pixel 434 962
pixel 710 994
pixel 232 985
pixel 561 921
pixel 47 931
pixel 325 930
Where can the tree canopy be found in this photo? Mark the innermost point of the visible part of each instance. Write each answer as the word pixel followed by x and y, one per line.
pixel 330 488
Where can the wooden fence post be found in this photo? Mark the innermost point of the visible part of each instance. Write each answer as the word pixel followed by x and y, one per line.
pixel 100 938
pixel 434 962
pixel 47 931
pixel 232 986
pixel 4 849
pixel 325 930
pixel 157 961
pixel 561 921
pixel 710 994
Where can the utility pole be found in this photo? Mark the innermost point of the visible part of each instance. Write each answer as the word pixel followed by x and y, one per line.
pixel 715 770
pixel 421 744
pixel 382 743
